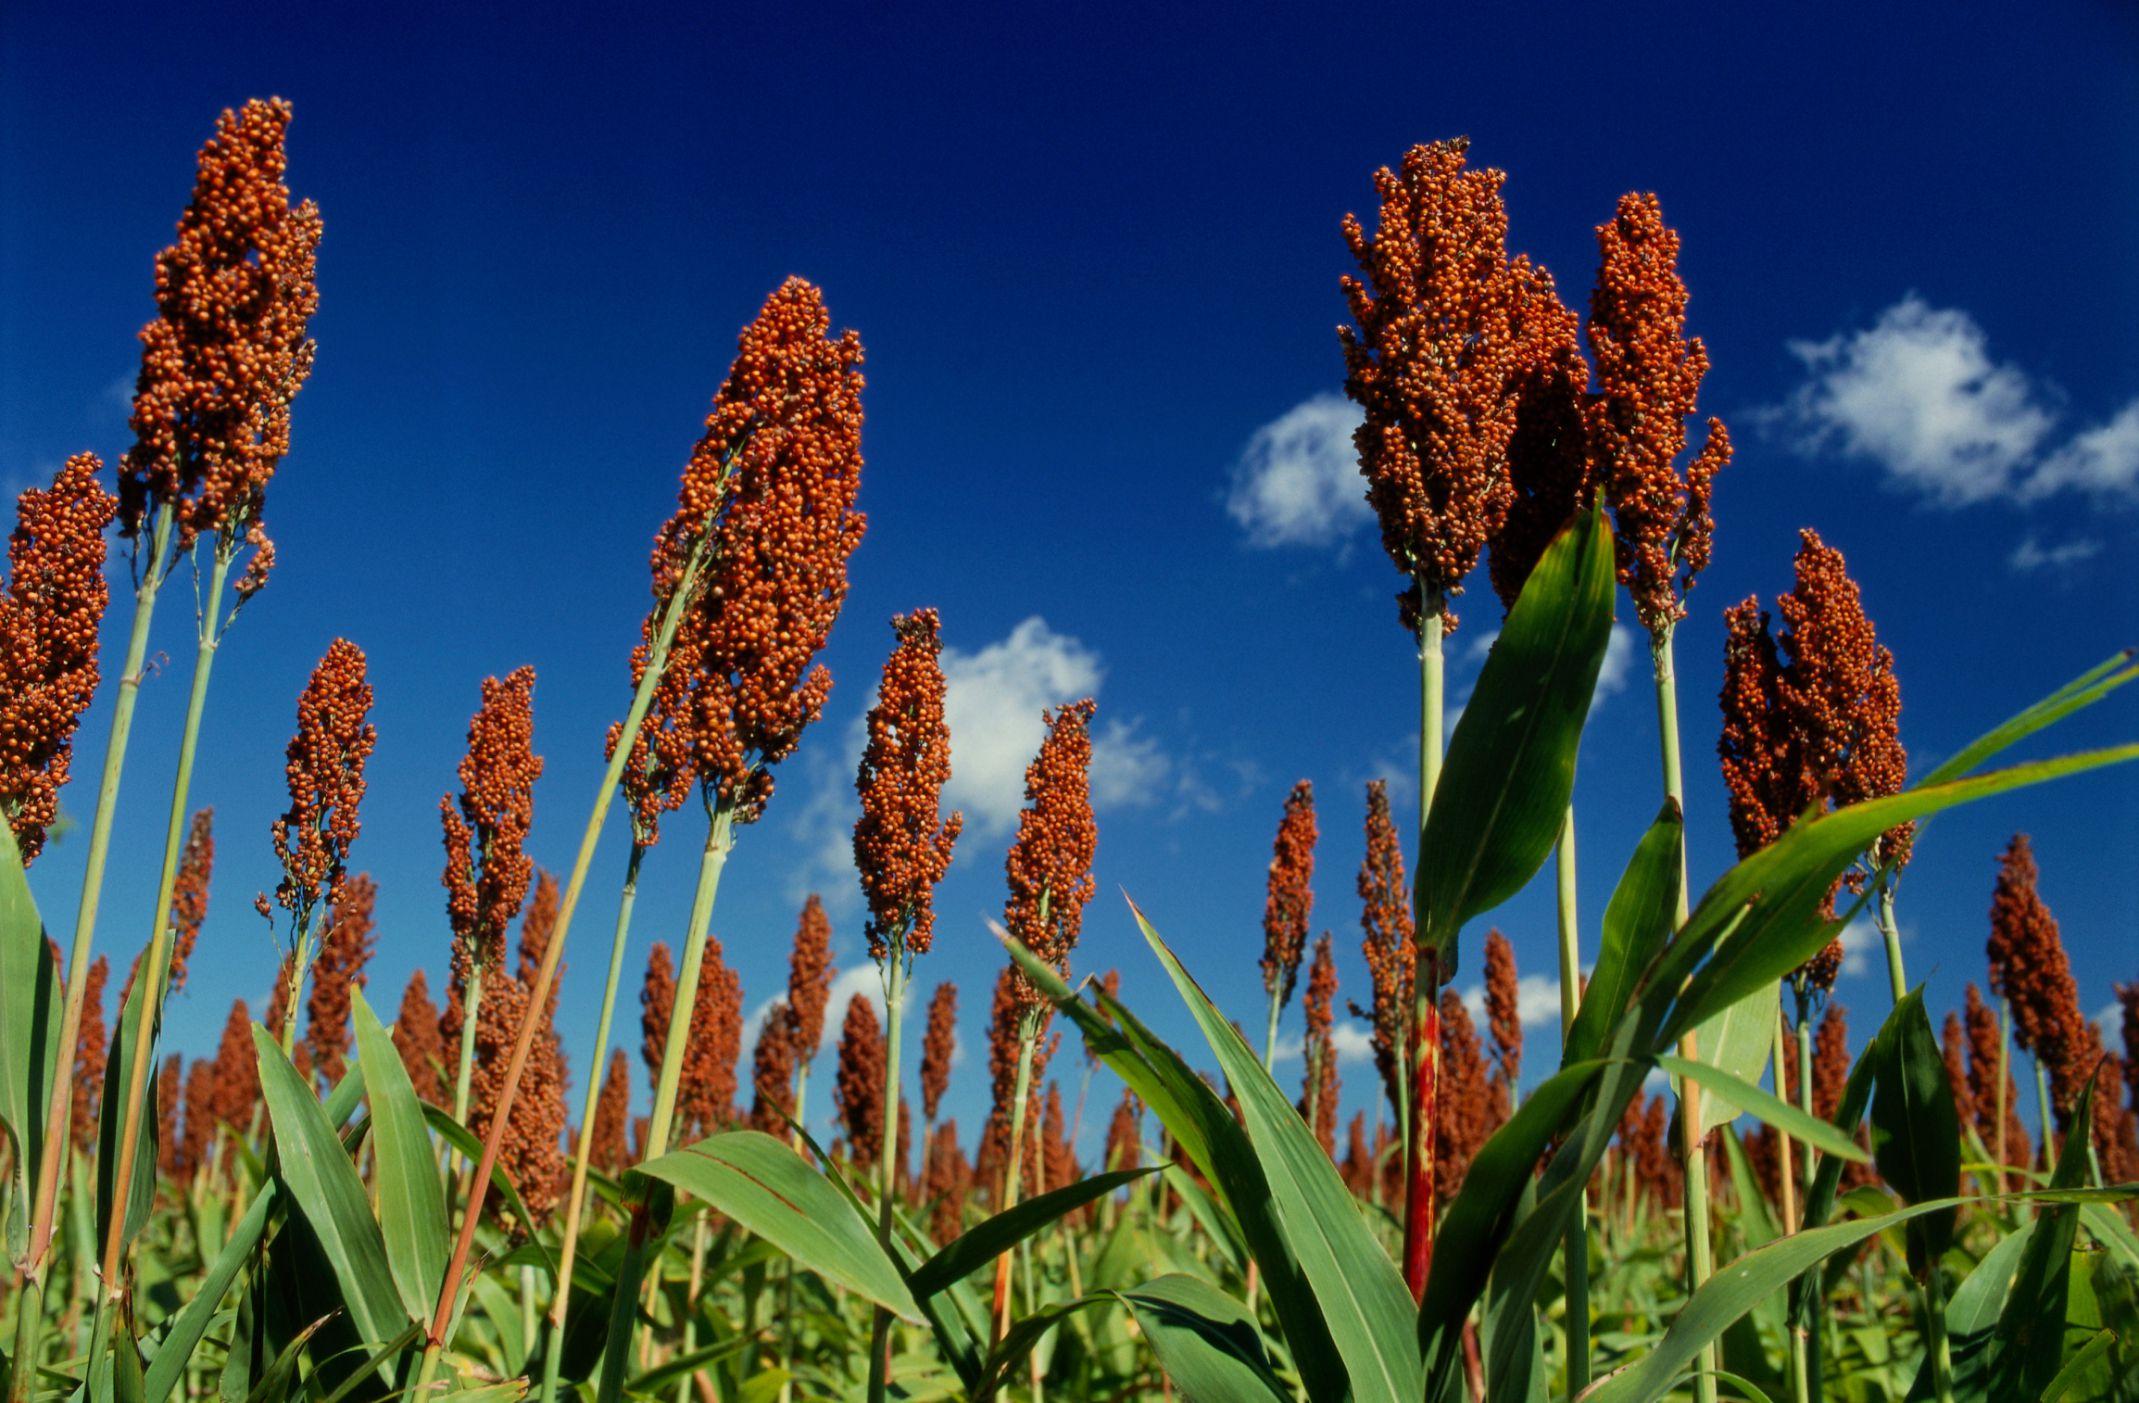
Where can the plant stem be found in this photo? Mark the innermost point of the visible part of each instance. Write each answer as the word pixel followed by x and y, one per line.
pixel 1897 978
pixel 1577 1244
pixel 1800 1381
pixel 1812 1334
pixel 2042 1112
pixel 887 1183
pixel 1935 1338
pixel 51 1158
pixel 546 974
pixel 471 1006
pixel 1028 1036
pixel 1700 1256
pixel 576 1198
pixel 142 1054
pixel 2005 1080
pixel 1425 1051
pixel 691 1291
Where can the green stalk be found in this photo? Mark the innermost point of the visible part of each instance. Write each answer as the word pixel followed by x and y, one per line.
pixel 2042 1111
pixel 1800 1380
pixel 1935 1339
pixel 887 1161
pixel 2005 1077
pixel 141 1056
pixel 1270 1037
pixel 471 1005
pixel 1577 1245
pixel 1028 1035
pixel 1897 978
pixel 51 1162
pixel 576 1199
pixel 691 1289
pixel 1815 1365
pixel 1424 1052
pixel 1700 1255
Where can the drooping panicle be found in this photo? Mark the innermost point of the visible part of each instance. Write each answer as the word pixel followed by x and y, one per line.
pixel 859 1090
pixel 1431 361
pixel 1649 377
pixel 1548 452
pixel 344 949
pixel 50 617
pixel 1503 1008
pixel 487 868
pixel 418 1039
pixel 809 978
pixel 1290 896
pixel 770 487
pixel 189 894
pixel 228 349
pixel 1385 917
pixel 902 842
pixel 325 769
pixel 1050 861
pixel 772 1071
pixel 939 1044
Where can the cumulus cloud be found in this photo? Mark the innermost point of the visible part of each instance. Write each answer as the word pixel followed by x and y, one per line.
pixel 2031 555
pixel 1537 1001
pixel 1297 482
pixel 1861 942
pixel 994 697
pixel 1351 1040
pixel 1919 393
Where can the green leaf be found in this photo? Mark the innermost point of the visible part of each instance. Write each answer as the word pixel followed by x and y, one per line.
pixel 2082 691
pixel 1772 1110
pixel 1761 918
pixel 1736 1289
pixel 1510 769
pixel 1363 1298
pixel 1916 1132
pixel 1207 1135
pixel 412 1203
pixel 323 1183
pixel 1637 923
pixel 984 1242
pixel 1736 1042
pixel 2024 1354
pixel 29 1031
pixel 766 1187
pixel 471 1149
pixel 1206 1341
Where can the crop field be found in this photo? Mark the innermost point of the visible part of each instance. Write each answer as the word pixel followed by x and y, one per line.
pixel 1717 1181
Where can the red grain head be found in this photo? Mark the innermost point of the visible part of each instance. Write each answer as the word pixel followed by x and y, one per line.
pixel 189 894
pixel 325 770
pixel 344 949
pixel 902 843
pixel 1548 453
pixel 1290 897
pixel 92 1046
pixel 657 1002
pixel 487 867
pixel 705 1092
pixel 859 1090
pixel 607 1149
pixel 809 978
pixel 1503 1007
pixel 939 1044
pixel 772 1072
pixel 418 1039
pixel 1390 954
pixel 1050 861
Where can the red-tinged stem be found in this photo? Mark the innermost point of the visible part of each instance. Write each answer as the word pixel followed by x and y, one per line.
pixel 1425 1096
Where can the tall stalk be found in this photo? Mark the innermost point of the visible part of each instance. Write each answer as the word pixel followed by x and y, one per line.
pixel 1028 1038
pixel 1890 932
pixel 576 1197
pixel 1810 1335
pixel 1425 1017
pixel 546 973
pixel 1577 1243
pixel 51 1161
pixel 1786 1171
pixel 1700 1255
pixel 141 1054
pixel 887 1161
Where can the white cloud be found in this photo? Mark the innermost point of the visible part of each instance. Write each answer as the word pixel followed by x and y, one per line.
pixel 1128 767
pixel 1862 943
pixel 1352 1041
pixel 1619 655
pixel 2032 555
pixel 1918 393
pixel 2102 461
pixel 1537 1001
pixel 1297 482
pixel 993 702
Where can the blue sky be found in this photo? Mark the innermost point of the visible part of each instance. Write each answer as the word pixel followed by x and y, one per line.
pixel 1093 254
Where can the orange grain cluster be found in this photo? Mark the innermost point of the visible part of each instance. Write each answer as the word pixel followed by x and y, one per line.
pixel 1986 1040
pixel 607 1149
pixel 1649 377
pixel 1548 453
pixel 1318 1098
pixel 1503 1009
pixel 325 769
pixel 344 949
pixel 419 1040
pixel 809 978
pixel 1390 954
pixel 1125 1135
pixel 1465 1109
pixel 91 1047
pixel 771 488
pixel 1431 362
pixel 2030 970
pixel 170 1141
pixel 705 1088
pixel 49 620
pixel 858 1091
pixel 531 1148
pixel 772 1071
pixel 1050 861
pixel 487 868
pixel 902 843
pixel 657 1000
pixel 228 349
pixel 1289 897
pixel 946 1179
pixel 939 1043
pixel 1006 1019
pixel 189 894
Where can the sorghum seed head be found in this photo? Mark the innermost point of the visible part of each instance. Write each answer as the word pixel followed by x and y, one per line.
pixel 809 978
pixel 1385 917
pixel 938 1045
pixel 344 949
pixel 487 867
pixel 607 1148
pixel 1050 861
pixel 1290 896
pixel 1503 1006
pixel 772 1071
pixel 902 844
pixel 1548 453
pixel 418 1039
pixel 859 1089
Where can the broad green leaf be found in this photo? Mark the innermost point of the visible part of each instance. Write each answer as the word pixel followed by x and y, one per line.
pixel 167 1364
pixel 1972 1318
pixel 1736 1042
pixel 1478 1221
pixel 1761 919
pixel 1206 1341
pixel 1364 1301
pixel 766 1187
pixel 1637 923
pixel 1916 1132
pixel 984 1242
pixel 1510 769
pixel 412 1203
pixel 324 1185
pixel 2082 691
pixel 1207 1135
pixel 1736 1289
pixel 2024 1354
pixel 1768 1108
pixel 29 1031
pixel 471 1150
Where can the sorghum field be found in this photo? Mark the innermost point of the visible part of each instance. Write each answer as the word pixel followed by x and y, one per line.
pixel 357 1196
